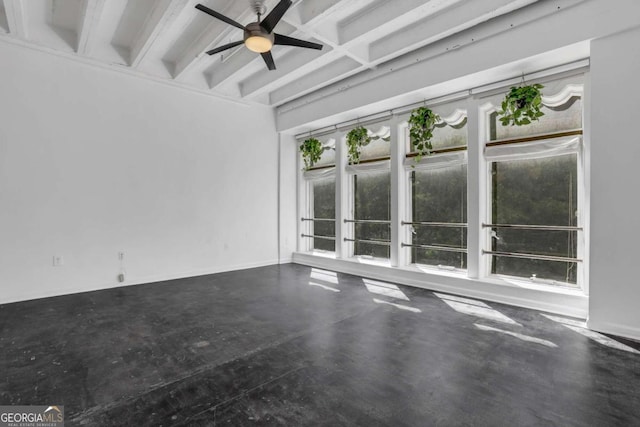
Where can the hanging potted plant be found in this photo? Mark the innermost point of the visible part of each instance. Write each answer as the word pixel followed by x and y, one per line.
pixel 422 122
pixel 311 150
pixel 521 105
pixel 356 139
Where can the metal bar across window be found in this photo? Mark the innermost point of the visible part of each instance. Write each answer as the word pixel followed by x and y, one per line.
pixel 367 221
pixel 531 256
pixel 436 224
pixel 373 160
pixel 317 168
pixel 439 151
pixel 373 242
pixel 438 248
pixel 535 138
pixel 318 219
pixel 318 237
pixel 534 227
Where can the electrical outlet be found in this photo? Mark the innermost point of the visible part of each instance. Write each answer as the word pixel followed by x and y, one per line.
pixel 58 260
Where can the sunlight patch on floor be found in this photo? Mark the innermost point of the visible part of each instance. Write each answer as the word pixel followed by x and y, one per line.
pixel 386 289
pixel 324 276
pixel 400 306
pixel 522 337
pixel 328 288
pixel 475 308
pixel 581 328
pixel 566 321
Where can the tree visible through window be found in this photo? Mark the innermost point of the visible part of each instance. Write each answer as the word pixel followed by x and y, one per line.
pixel 324 213
pixel 440 196
pixel 535 192
pixel 372 206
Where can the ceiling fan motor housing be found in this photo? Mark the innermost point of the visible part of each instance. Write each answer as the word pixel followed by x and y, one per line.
pixel 261 40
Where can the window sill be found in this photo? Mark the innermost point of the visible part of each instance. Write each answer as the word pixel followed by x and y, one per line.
pixel 561 300
pixel 528 284
pixel 324 254
pixel 364 259
pixel 431 269
pixel 500 280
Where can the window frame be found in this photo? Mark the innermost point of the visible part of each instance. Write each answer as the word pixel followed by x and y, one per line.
pixel 384 129
pixel 434 162
pixel 363 169
pixel 564 96
pixel 452 156
pixel 308 178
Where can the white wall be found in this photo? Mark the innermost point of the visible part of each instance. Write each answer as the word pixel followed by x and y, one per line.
pixel 615 175
pixel 94 161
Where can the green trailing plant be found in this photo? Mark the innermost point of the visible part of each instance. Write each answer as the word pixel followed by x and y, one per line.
pixel 422 122
pixel 356 139
pixel 311 150
pixel 521 105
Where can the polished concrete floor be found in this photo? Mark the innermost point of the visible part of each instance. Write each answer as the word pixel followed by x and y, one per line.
pixel 291 345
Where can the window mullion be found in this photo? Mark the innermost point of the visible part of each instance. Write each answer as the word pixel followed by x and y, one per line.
pixel 305 207
pixel 398 192
pixel 584 191
pixel 342 197
pixel 476 190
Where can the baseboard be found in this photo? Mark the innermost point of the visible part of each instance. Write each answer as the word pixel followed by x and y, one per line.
pixel 615 329
pixel 574 305
pixel 138 281
pixel 202 272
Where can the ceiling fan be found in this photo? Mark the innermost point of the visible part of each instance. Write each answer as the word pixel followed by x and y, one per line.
pixel 259 36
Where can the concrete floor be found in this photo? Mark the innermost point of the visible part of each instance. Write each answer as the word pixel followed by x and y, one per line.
pixel 289 345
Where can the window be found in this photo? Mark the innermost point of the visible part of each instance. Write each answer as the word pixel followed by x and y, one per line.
pixel 439 216
pixel 324 214
pixel 539 193
pixel 371 223
pixel 534 230
pixel 372 213
pixel 437 229
pixel 515 214
pixel 319 224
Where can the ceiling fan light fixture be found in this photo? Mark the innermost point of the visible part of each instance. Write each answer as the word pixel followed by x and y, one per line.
pixel 258 44
pixel 257 39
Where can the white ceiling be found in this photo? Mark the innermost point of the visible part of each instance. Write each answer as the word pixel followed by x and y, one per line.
pixel 166 39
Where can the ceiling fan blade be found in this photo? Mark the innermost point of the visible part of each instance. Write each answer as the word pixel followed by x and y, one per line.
pixel 268 59
pixel 220 16
pixel 290 41
pixel 272 19
pixel 224 47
